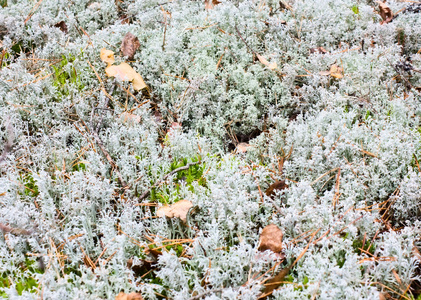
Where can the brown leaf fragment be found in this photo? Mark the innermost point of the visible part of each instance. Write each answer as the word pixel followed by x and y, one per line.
pixel 129 45
pixel 15 231
pixel 131 296
pixel 381 296
pixel 265 62
pixel 271 239
pixel 62 26
pixel 125 19
pixel 242 147
pixel 179 209
pixel 278 185
pixel 276 281
pixel 142 267
pixel 318 50
pixel 210 4
pixel 385 12
pixel 335 71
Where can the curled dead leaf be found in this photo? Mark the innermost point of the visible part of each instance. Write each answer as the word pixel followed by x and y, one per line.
pixel 62 26
pixel 278 185
pixel 264 61
pixel 271 239
pixel 107 56
pixel 385 12
pixel 129 45
pixel 131 296
pixel 179 209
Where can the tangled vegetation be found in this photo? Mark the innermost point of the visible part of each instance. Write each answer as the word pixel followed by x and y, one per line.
pixel 146 146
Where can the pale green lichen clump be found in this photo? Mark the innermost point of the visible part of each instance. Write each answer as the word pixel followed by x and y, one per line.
pixel 84 158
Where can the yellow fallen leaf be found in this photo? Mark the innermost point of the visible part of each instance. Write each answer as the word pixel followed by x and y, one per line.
pixel 107 56
pixel 125 72
pixel 264 61
pixel 122 72
pixel 179 209
pixel 336 71
pixel 138 83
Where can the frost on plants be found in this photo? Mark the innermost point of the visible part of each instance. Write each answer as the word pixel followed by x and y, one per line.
pixel 210 149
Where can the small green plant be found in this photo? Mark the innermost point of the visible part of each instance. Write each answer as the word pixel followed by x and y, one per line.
pixel 31 189
pixel 63 77
pixel 79 167
pixel 24 281
pixel 367 247
pixel 193 174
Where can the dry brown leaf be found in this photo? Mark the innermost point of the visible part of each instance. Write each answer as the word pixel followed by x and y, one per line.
pixel 385 12
pixel 131 296
pixel 107 56
pixel 336 71
pixel 265 62
pixel 271 239
pixel 276 281
pixel 129 45
pixel 179 209
pixel 278 185
pixel 242 147
pixel 210 4
pixel 62 26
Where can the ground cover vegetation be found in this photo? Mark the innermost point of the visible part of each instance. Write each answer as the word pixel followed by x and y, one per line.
pixel 250 149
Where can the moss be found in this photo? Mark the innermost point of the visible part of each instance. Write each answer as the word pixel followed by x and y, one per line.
pixel 23 278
